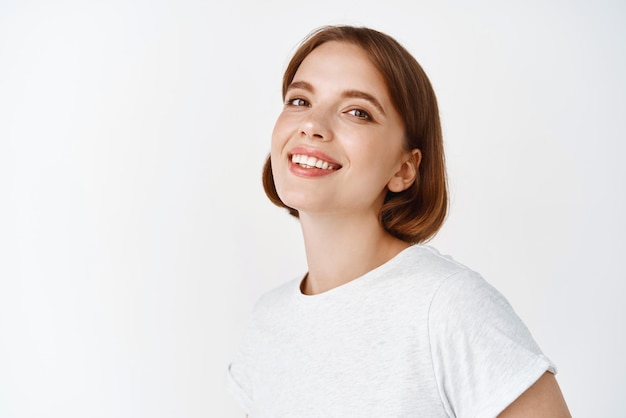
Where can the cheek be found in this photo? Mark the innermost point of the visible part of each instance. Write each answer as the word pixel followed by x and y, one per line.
pixel 280 133
pixel 280 137
pixel 379 160
pixel 373 151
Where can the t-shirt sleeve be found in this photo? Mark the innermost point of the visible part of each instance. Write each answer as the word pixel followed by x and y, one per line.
pixel 484 357
pixel 240 372
pixel 237 388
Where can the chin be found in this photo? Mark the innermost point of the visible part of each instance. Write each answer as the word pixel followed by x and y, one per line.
pixel 300 203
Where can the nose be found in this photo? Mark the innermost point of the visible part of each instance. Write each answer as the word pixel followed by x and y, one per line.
pixel 317 125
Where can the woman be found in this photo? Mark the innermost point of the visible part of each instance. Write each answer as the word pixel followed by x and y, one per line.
pixel 381 325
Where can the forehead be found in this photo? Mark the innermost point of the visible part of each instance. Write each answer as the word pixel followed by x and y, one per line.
pixel 342 62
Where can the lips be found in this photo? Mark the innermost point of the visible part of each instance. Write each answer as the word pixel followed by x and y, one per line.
pixel 309 161
pixel 312 163
pixel 313 158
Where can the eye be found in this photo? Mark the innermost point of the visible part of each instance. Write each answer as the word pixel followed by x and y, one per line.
pixel 360 114
pixel 296 102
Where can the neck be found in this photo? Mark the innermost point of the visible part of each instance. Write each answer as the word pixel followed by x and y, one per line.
pixel 342 248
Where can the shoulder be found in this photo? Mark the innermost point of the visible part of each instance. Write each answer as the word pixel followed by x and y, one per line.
pixel 424 270
pixel 453 285
pixel 483 354
pixel 277 298
pixel 465 302
pixel 427 260
pixel 465 305
pixel 420 262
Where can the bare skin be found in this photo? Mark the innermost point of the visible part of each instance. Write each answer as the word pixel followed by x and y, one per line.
pixel 339 210
pixel 543 399
pixel 326 112
pixel 333 264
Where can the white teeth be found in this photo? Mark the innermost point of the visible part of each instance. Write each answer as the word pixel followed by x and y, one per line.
pixel 307 161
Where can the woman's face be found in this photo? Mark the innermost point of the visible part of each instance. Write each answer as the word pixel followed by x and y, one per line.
pixel 339 140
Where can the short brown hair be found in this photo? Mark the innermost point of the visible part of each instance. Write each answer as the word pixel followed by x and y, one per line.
pixel 415 214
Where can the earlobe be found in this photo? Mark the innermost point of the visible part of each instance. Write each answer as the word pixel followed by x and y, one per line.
pixel 407 174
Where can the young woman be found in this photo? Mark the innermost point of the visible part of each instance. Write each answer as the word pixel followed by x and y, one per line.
pixel 381 325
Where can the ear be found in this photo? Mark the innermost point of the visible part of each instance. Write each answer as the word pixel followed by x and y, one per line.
pixel 404 178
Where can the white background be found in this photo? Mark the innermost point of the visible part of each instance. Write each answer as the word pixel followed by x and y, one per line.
pixel 135 235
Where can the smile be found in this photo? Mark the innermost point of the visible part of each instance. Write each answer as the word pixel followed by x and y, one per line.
pixel 307 161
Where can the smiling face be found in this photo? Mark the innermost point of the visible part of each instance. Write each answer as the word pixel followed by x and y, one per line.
pixel 338 144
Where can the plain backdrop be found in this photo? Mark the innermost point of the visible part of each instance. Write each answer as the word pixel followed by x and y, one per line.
pixel 135 236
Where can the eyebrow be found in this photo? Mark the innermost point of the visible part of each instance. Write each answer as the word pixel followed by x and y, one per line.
pixel 301 85
pixel 357 94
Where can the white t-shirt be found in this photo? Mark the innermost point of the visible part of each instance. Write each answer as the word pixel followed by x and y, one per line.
pixel 419 336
